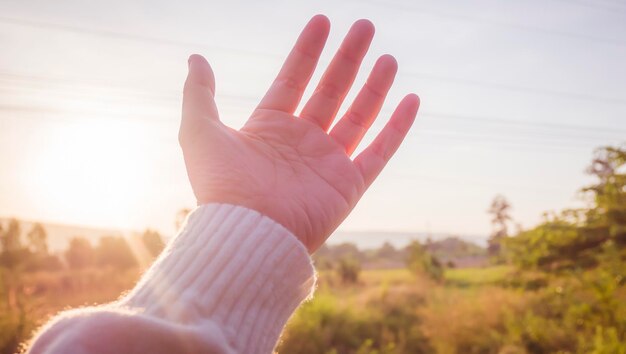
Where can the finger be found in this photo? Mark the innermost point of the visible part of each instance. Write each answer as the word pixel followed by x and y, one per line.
pixel 351 128
pixel 374 158
pixel 198 96
pixel 338 78
pixel 288 87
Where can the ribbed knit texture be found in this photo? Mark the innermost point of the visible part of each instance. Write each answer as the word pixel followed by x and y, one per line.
pixel 227 283
pixel 234 266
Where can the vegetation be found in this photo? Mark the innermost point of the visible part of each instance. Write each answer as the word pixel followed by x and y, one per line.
pixel 500 217
pixel 35 284
pixel 420 261
pixel 348 269
pixel 558 287
pixel 582 254
pixel 564 290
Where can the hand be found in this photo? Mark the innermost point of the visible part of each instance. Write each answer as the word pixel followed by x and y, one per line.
pixel 291 168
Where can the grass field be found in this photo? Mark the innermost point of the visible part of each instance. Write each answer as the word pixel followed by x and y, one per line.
pixel 466 309
pixel 472 310
pixel 478 276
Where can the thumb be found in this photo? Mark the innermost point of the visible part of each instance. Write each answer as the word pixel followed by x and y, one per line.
pixel 198 96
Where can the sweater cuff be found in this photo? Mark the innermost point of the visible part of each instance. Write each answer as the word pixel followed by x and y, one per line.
pixel 229 268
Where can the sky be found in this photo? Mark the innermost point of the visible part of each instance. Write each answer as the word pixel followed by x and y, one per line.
pixel 515 97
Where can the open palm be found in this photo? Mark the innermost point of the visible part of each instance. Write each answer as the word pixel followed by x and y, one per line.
pixel 292 168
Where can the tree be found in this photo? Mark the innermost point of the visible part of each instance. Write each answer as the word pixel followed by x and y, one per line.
pixel 10 240
pixel 181 216
pixel 11 244
pixel 346 250
pixel 37 256
pixel 115 251
pixel 386 251
pixel 577 238
pixel 153 242
pixel 609 193
pixel 37 238
pixel 420 261
pixel 500 217
pixel 348 270
pixel 80 254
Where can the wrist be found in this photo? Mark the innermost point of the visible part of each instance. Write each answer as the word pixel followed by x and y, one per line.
pixel 232 265
pixel 296 223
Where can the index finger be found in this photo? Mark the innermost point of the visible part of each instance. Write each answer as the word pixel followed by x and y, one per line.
pixel 288 87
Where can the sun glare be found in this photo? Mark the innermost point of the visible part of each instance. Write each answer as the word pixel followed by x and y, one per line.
pixel 90 172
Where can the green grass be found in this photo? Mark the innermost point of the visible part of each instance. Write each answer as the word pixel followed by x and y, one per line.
pixel 477 276
pixel 462 276
pixel 389 276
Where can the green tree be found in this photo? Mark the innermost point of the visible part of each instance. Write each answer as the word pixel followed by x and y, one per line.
pixel 38 239
pixel 323 258
pixel 500 217
pixel 420 261
pixel 576 238
pixel 115 251
pixel 608 216
pixel 10 240
pixel 387 251
pixel 80 254
pixel 181 216
pixel 38 257
pixel 153 242
pixel 348 269
pixel 11 245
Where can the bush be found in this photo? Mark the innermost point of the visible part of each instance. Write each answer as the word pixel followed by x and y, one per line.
pixel 348 270
pixel 153 242
pixel 42 262
pixel 420 261
pixel 579 313
pixel 115 252
pixel 388 324
pixel 80 253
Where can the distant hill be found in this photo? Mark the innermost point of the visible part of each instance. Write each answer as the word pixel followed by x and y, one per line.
pixel 451 251
pixel 457 252
pixel 375 239
pixel 59 235
pixel 446 248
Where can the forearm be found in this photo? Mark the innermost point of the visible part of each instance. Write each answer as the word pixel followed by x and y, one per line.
pixel 226 284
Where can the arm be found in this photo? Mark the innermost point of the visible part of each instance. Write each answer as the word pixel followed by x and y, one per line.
pixel 270 194
pixel 226 284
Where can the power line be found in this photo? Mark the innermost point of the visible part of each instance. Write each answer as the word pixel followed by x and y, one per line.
pixel 443 139
pixel 422 11
pixel 125 35
pixel 441 78
pixel 529 90
pixel 465 182
pixel 101 85
pixel 439 179
pixel 159 95
pixel 609 7
pixel 514 140
pixel 497 23
pixel 169 96
pixel 618 4
pixel 517 140
pixel 524 123
pixel 176 94
pixel 511 135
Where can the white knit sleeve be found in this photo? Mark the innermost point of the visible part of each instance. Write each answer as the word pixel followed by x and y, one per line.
pixel 227 283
